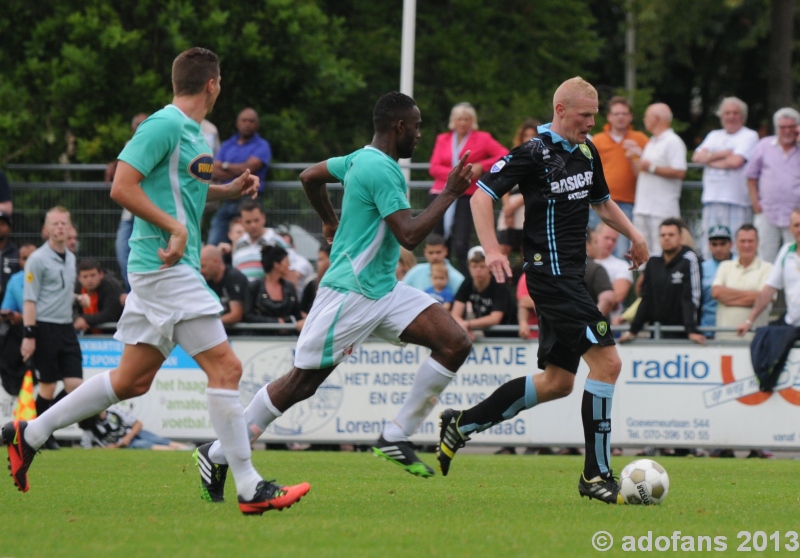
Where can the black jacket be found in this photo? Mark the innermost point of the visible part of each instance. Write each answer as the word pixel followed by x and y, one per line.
pixel 260 308
pixel 108 307
pixel 671 292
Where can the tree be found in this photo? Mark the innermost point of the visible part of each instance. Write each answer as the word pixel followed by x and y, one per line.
pixel 87 66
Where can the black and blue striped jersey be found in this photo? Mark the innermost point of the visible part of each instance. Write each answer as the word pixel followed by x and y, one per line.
pixel 558 181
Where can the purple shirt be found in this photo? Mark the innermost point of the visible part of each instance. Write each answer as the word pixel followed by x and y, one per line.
pixel 232 152
pixel 778 175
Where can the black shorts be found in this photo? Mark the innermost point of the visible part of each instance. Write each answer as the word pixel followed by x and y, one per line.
pixel 58 353
pixel 569 321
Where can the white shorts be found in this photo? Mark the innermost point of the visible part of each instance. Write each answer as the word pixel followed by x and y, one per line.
pixel 339 322
pixel 169 307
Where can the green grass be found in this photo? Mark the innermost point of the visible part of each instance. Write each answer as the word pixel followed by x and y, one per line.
pixel 138 503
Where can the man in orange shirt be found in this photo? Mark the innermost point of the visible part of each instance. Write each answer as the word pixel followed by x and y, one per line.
pixel 617 145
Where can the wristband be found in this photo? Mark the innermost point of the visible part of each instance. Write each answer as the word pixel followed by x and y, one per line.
pixel 30 332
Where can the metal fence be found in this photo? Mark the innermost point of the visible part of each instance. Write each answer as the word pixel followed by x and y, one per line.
pixel 81 189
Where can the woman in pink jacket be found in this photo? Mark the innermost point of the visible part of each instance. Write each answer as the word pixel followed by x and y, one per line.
pixel 484 150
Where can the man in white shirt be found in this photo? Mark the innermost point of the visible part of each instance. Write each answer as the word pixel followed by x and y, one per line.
pixel 785 275
pixel 604 241
pixel 724 152
pixel 738 282
pixel 661 169
pixel 247 251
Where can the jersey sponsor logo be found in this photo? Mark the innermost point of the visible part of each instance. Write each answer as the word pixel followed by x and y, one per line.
pixel 572 183
pixel 201 167
pixel 578 195
pixel 498 166
pixel 585 150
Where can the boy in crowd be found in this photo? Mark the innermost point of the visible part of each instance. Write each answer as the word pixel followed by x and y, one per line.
pixel 491 302
pixel 419 276
pixel 439 288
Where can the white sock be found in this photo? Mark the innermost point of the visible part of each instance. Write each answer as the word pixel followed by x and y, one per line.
pixel 227 418
pixel 431 379
pixel 89 398
pixel 258 415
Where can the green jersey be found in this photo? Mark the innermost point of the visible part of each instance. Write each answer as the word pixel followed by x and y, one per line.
pixel 365 252
pixel 170 150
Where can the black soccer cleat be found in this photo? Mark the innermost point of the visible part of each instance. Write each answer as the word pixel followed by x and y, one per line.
pixel 403 454
pixel 605 489
pixel 20 454
pixel 450 439
pixel 212 475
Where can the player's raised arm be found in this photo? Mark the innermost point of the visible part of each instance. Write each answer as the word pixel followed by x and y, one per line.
pixel 410 231
pixel 246 184
pixel 315 180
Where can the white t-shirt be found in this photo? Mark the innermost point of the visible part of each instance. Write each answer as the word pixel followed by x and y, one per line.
pixel 658 195
pixel 617 268
pixel 728 185
pixel 786 275
pixel 247 253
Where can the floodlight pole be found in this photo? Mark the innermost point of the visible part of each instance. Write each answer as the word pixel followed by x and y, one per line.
pixel 407 59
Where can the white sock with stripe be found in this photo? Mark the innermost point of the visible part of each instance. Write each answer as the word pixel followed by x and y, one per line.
pixel 430 381
pixel 227 418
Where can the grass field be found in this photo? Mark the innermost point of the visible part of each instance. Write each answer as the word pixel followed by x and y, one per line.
pixel 139 503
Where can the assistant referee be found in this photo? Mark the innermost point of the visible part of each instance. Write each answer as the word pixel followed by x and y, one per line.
pixel 50 338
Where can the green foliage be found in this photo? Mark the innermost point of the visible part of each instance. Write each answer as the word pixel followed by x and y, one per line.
pixel 313 68
pixel 88 66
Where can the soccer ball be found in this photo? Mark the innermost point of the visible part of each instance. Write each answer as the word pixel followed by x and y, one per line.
pixel 644 482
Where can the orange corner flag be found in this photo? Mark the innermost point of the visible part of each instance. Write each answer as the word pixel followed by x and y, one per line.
pixel 25 409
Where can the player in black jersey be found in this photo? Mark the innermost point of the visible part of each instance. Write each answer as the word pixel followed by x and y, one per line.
pixel 559 174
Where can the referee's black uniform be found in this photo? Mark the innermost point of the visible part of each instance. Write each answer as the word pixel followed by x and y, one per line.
pixel 558 182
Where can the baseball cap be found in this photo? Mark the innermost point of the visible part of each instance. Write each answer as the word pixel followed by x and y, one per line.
pixel 719 231
pixel 6 217
pixel 475 250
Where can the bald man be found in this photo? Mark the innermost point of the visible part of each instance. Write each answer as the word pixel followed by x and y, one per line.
pixel 660 171
pixel 560 175
pixel 227 282
pixel 246 149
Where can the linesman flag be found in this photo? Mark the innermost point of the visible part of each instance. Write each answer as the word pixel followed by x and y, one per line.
pixel 25 408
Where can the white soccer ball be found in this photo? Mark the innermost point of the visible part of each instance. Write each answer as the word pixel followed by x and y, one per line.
pixel 644 482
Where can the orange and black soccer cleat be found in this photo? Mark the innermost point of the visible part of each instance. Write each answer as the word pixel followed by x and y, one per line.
pixel 270 496
pixel 20 454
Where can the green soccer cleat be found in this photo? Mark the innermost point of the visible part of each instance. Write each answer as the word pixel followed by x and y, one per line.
pixel 212 475
pixel 403 454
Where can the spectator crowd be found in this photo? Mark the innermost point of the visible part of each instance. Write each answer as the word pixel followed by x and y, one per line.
pixel 726 279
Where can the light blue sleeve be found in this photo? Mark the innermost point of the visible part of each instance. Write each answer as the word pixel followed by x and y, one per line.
pixel 155 139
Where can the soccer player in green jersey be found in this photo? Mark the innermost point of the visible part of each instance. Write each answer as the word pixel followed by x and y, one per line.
pixel 360 295
pixel 163 178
